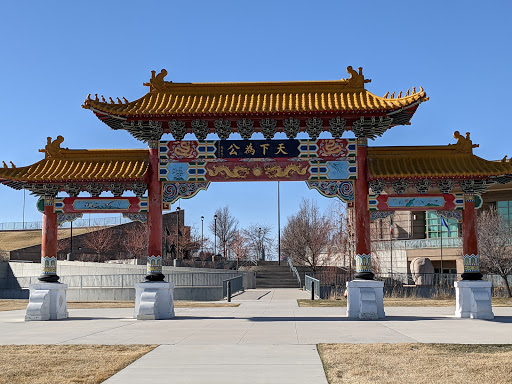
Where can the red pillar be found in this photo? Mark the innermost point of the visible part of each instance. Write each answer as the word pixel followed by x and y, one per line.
pixel 49 244
pixel 471 258
pixel 362 215
pixel 154 263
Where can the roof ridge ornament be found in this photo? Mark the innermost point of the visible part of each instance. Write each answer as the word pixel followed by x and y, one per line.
pixel 157 83
pixel 464 144
pixel 52 148
pixel 356 80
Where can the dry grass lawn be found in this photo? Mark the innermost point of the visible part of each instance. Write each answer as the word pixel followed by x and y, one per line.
pixel 12 305
pixel 403 302
pixel 416 363
pixel 49 364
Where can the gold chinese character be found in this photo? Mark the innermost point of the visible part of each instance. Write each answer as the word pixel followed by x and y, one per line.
pixel 233 149
pixel 249 150
pixel 265 147
pixel 280 149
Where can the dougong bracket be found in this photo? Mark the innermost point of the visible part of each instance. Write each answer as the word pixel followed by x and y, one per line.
pixel 171 192
pixel 342 189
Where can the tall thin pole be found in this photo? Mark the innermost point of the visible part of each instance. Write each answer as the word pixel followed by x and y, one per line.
pixel 24 208
pixel 215 235
pixel 71 238
pixel 202 239
pixel 278 225
pixel 177 232
pixel 441 275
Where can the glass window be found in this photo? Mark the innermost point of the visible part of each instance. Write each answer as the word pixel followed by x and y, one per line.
pixel 505 210
pixel 435 228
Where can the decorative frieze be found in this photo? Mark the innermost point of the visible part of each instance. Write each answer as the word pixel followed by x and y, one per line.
pixel 314 127
pixel 268 128
pixel 377 186
pixel 337 126
pixel 177 129
pixel 117 189
pixel 65 217
pixel 371 127
pixel 222 128
pixel 43 190
pixel 73 190
pixel 95 189
pixel 200 129
pixel 144 130
pixel 467 186
pixel 344 190
pixel 457 214
pixel 400 185
pixel 423 185
pixel 445 186
pixel 245 128
pixel 139 216
pixel 154 266
pixel 379 215
pixel 291 127
pixel 138 188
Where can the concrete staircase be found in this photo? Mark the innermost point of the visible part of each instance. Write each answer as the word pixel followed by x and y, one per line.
pixel 271 275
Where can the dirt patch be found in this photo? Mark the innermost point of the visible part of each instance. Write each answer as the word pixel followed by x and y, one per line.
pixel 416 363
pixel 48 364
pixel 402 302
pixel 12 305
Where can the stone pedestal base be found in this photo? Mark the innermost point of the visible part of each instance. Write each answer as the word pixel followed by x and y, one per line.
pixel 47 301
pixel 365 299
pixel 154 300
pixel 473 299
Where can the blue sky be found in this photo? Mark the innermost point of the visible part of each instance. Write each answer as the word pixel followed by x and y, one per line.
pixel 55 53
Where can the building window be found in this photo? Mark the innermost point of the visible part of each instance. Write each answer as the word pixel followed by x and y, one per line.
pixel 505 210
pixel 435 228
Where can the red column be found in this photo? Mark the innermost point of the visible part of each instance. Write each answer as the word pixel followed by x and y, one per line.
pixel 49 244
pixel 154 263
pixel 362 215
pixel 471 258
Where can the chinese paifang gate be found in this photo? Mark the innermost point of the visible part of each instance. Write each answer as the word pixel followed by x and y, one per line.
pixel 374 181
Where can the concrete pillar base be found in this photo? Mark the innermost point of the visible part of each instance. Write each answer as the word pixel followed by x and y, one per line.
pixel 47 301
pixel 154 301
pixel 473 299
pixel 365 299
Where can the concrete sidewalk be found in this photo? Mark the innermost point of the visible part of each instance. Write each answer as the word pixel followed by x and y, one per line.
pixel 268 339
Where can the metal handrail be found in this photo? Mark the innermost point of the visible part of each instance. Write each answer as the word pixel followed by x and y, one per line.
pixel 294 270
pixel 237 285
pixel 308 281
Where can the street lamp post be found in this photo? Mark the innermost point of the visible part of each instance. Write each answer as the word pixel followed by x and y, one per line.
pixel 177 232
pixel 260 244
pixel 215 234
pixel 202 239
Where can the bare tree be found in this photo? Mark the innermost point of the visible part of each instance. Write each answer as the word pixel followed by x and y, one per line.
pixel 136 240
pixel 494 245
pixel 185 241
pixel 307 235
pixel 100 240
pixel 224 227
pixel 240 247
pixel 259 240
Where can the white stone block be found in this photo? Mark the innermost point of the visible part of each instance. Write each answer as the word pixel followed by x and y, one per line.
pixel 365 299
pixel 47 301
pixel 154 300
pixel 473 299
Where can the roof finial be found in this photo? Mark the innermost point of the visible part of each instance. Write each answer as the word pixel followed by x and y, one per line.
pixel 52 148
pixel 464 144
pixel 157 82
pixel 356 80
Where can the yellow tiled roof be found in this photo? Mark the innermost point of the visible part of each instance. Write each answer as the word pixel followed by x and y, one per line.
pixel 167 98
pixel 84 165
pixel 431 162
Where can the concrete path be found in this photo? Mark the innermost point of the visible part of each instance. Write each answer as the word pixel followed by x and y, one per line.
pixel 268 339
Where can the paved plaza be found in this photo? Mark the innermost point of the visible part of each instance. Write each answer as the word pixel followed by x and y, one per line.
pixel 267 339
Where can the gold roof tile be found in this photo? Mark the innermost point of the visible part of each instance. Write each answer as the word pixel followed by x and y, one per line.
pixel 83 165
pixel 167 98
